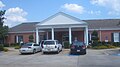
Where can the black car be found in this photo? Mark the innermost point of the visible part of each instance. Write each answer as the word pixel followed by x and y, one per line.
pixel 78 47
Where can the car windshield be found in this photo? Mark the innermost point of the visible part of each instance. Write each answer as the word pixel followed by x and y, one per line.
pixel 78 43
pixel 28 44
pixel 49 43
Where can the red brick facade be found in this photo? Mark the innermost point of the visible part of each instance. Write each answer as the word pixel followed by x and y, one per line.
pixel 59 35
pixel 106 33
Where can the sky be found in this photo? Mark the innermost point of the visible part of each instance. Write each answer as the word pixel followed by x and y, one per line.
pixel 21 11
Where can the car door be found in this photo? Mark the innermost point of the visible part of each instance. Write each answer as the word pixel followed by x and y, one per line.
pixel 37 47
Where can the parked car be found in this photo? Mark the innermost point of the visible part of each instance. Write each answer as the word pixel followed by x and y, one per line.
pixel 29 48
pixel 51 46
pixel 78 47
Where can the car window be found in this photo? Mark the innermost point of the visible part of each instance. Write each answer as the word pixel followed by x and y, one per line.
pixel 36 45
pixel 78 43
pixel 28 44
pixel 49 43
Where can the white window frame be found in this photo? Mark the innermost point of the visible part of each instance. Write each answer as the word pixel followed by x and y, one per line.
pixel 116 37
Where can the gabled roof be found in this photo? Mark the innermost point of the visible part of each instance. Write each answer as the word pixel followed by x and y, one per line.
pixel 29 27
pixel 92 24
pixel 103 23
pixel 61 19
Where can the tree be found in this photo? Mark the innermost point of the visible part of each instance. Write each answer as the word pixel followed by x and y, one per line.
pixel 3 29
pixel 95 38
pixel 31 38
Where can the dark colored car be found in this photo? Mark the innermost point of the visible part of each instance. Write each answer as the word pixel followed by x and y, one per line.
pixel 78 47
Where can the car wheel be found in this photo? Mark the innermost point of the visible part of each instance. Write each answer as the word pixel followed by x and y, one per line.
pixel 58 51
pixel 21 53
pixel 43 52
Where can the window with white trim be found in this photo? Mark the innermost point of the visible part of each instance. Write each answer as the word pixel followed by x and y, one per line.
pixel 116 37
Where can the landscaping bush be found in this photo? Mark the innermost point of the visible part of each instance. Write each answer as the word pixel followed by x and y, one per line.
pixel 14 44
pixel 66 45
pixel 17 47
pixel 6 45
pixel 117 44
pixel 111 46
pixel 100 47
pixel 6 50
pixel 1 47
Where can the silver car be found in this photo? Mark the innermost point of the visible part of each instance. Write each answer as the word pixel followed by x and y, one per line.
pixel 51 46
pixel 29 48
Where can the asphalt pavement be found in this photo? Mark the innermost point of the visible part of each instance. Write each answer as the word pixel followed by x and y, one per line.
pixel 93 58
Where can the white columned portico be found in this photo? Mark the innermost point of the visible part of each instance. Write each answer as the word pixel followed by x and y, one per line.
pixel 52 33
pixel 86 35
pixel 70 35
pixel 37 36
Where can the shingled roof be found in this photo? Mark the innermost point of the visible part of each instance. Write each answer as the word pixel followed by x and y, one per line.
pixel 28 27
pixel 103 23
pixel 92 24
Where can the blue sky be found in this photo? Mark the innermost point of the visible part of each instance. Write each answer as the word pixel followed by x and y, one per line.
pixel 19 11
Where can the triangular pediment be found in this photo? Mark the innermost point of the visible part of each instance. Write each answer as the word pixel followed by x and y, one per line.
pixel 61 19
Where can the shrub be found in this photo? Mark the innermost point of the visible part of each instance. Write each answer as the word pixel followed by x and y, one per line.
pixel 17 47
pixel 111 46
pixel 6 45
pixel 100 47
pixel 6 50
pixel 14 44
pixel 66 45
pixel 1 47
pixel 117 44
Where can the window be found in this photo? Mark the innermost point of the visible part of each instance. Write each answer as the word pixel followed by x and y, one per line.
pixel 49 43
pixel 36 45
pixel 18 38
pixel 116 37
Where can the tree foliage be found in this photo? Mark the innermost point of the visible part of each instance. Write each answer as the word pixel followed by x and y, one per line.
pixel 3 29
pixel 31 38
pixel 95 38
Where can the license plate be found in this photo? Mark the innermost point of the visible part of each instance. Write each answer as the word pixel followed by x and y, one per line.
pixel 78 50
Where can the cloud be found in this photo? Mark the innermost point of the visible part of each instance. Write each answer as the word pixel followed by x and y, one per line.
pixel 74 8
pixel 15 16
pixel 1 4
pixel 112 5
pixel 94 12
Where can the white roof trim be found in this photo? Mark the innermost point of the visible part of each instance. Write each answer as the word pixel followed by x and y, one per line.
pixel 62 26
pixel 61 19
pixel 25 32
pixel 105 29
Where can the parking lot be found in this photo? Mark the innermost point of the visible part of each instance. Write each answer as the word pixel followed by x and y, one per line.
pixel 93 58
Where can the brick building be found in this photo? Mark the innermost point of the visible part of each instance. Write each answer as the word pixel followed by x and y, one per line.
pixel 64 27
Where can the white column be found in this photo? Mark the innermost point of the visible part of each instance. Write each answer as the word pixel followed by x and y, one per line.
pixel 100 34
pixel 70 36
pixel 37 36
pixel 17 39
pixel 86 35
pixel 52 33
pixel 47 36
